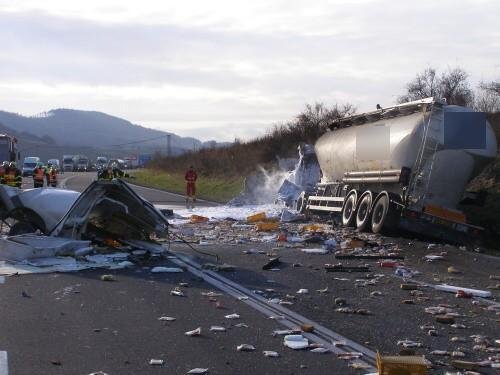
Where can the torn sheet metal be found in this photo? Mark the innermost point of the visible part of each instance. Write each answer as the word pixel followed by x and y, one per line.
pixel 43 208
pixel 31 246
pixel 111 208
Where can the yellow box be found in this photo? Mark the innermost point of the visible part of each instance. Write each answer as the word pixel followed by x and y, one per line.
pixel 402 365
pixel 198 219
pixel 257 217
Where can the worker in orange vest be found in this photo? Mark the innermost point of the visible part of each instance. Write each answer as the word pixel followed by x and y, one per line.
pixel 39 176
pixel 13 176
pixel 3 170
pixel 190 178
pixel 52 177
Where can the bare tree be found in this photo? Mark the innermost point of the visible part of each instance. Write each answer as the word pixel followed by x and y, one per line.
pixel 452 85
pixel 493 87
pixel 317 117
pixel 487 101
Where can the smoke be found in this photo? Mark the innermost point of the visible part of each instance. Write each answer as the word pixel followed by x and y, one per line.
pixel 261 187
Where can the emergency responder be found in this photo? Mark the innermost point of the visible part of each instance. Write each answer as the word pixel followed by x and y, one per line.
pixel 13 176
pixel 39 174
pixel 52 177
pixel 190 178
pixel 105 174
pixel 3 170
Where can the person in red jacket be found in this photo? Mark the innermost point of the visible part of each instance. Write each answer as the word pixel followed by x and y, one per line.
pixel 190 178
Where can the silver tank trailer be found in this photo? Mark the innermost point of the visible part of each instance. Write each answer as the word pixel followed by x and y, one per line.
pixel 394 142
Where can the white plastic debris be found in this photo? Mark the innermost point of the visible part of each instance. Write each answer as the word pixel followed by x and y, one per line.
pixel 232 316
pixel 325 290
pixel 198 370
pixel 156 362
pixel 211 294
pixel 295 342
pixel 318 251
pixel 166 318
pixel 270 353
pixel 282 332
pixel 217 329
pixel 302 291
pixel 245 348
pixel 166 270
pixel 454 289
pixel 320 350
pixel 409 344
pixel 432 258
pixel 194 332
pixel 177 292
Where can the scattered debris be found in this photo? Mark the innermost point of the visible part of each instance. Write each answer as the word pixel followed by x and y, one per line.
pixel 194 332
pixel 198 370
pixel 295 342
pixel 166 318
pixel 232 316
pixel 156 362
pixel 455 289
pixel 270 353
pixel 217 329
pixel 320 350
pixel 318 251
pixel 273 262
pixel 245 348
pixel 177 292
pixel 107 278
pixel 342 268
pixel 166 270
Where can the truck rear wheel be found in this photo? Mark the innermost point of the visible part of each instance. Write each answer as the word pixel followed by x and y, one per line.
pixel 300 205
pixel 380 213
pixel 349 210
pixel 364 210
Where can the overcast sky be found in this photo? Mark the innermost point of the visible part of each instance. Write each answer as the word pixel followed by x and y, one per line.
pixel 220 69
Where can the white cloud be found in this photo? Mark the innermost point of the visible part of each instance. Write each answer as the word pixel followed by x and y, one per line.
pixel 192 66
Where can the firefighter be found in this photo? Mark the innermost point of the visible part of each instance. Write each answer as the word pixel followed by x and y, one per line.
pixel 3 170
pixel 105 174
pixel 13 176
pixel 52 177
pixel 39 174
pixel 190 178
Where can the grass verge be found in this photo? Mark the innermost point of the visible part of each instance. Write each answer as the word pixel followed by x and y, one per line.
pixel 214 189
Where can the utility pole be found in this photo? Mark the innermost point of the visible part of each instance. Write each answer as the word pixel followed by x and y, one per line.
pixel 169 144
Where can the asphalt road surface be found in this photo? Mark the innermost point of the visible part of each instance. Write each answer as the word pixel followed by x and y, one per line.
pixel 74 323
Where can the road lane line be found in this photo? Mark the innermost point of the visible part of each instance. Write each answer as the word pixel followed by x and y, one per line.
pixel 4 366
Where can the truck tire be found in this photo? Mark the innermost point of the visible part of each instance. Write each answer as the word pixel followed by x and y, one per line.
pixel 300 205
pixel 364 211
pixel 349 209
pixel 380 213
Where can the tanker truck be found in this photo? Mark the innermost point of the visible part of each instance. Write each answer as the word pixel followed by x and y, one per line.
pixel 402 167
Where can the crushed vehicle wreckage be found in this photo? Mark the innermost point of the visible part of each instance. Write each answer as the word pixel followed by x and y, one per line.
pixel 55 222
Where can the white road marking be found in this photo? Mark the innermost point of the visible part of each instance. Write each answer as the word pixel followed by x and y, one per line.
pixel 4 366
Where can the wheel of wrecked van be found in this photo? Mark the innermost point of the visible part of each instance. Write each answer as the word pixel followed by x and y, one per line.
pixel 364 211
pixel 380 213
pixel 21 227
pixel 349 209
